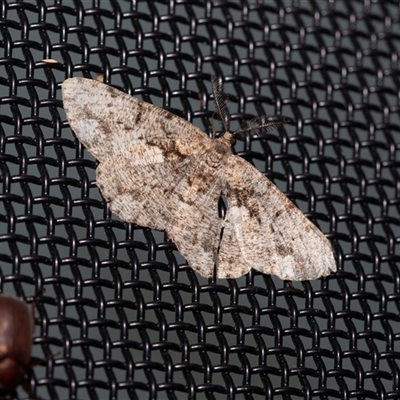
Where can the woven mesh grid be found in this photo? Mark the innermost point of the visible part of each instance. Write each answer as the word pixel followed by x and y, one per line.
pixel 123 316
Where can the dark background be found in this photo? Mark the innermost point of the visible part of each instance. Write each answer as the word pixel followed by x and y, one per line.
pixel 123 316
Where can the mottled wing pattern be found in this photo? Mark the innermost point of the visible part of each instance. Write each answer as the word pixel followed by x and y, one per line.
pixel 111 123
pixel 273 235
pixel 140 194
pixel 186 205
pixel 142 150
pixel 160 171
pixel 193 223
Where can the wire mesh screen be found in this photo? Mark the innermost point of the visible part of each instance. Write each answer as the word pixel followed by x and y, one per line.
pixel 123 315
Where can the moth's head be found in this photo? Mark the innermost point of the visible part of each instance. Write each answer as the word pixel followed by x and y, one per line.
pixel 228 138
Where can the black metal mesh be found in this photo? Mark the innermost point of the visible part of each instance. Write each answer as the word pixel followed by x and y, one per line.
pixel 123 315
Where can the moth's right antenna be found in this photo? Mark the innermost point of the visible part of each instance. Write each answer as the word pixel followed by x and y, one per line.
pixel 263 124
pixel 221 99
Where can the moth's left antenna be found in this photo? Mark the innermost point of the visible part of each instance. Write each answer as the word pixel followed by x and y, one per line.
pixel 221 99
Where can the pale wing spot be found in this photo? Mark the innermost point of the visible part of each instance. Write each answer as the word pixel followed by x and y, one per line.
pixel 88 129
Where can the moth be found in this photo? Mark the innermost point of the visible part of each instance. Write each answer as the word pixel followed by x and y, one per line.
pixel 160 171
